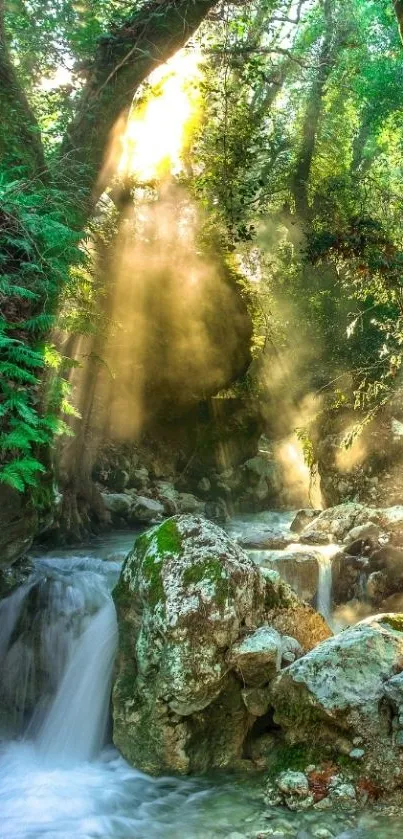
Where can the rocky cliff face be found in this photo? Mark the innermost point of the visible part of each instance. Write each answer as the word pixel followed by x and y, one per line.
pixel 202 634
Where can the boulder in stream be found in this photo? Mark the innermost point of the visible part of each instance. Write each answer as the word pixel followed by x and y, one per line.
pixel 192 606
pixel 347 691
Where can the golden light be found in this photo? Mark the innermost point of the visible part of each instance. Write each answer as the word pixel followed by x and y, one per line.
pixel 158 130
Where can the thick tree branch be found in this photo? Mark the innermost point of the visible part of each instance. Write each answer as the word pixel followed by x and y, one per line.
pixel 123 61
pixel 20 139
pixel 398 4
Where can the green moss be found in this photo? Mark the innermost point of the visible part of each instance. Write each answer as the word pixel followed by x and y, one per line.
pixel 294 757
pixel 168 538
pixel 212 570
pixel 152 567
pixel 394 621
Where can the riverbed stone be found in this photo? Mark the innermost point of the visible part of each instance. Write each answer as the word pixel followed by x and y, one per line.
pixel 144 510
pixel 338 691
pixel 186 598
pixel 117 503
pixel 257 658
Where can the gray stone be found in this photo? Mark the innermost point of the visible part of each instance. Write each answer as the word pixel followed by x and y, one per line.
pixel 290 650
pixel 117 503
pixel 257 658
pixel 357 754
pixel 188 503
pixel 334 693
pixel 363 532
pixel 144 510
pixel 204 485
pixel 187 594
pixel 293 783
pixel 303 518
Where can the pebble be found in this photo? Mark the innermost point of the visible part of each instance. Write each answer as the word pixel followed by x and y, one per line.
pixel 357 754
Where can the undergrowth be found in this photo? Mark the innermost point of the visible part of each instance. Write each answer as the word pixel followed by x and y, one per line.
pixel 38 245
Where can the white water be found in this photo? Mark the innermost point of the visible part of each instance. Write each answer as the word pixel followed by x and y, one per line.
pixel 57 639
pixel 324 599
pixel 75 727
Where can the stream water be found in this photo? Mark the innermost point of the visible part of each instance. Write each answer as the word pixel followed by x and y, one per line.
pixel 59 778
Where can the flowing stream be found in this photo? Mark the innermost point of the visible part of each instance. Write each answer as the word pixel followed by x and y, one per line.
pixel 59 778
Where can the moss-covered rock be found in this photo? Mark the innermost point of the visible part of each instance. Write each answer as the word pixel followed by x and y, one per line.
pixel 187 594
pixel 345 692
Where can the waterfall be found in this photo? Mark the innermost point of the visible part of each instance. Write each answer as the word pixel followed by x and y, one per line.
pixel 57 647
pixel 324 596
pixel 74 729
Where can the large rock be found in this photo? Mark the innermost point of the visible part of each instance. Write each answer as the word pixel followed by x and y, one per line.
pixel 333 524
pixel 145 510
pixel 189 603
pixel 346 691
pixel 117 503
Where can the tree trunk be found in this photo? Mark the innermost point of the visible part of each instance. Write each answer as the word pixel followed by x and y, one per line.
pixel 123 61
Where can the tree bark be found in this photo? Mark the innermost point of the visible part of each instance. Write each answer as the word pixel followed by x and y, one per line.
pixel 123 61
pixel 20 139
pixel 398 5
pixel 300 178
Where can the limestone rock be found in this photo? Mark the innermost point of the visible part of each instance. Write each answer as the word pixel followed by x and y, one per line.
pixel 300 569
pixel 186 598
pixel 117 503
pixel 337 692
pixel 334 523
pixel 363 532
pixel 145 510
pixel 188 503
pixel 257 658
pixel 303 518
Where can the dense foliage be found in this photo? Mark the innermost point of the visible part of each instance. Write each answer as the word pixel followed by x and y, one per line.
pixel 297 164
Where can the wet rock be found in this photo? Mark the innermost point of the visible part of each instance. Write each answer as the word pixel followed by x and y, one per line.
pixel 18 525
pixel 334 523
pixel 186 596
pixel 267 540
pixel 14 576
pixel 204 486
pixel 376 586
pixel 303 519
pixel 300 569
pixel 217 511
pixel 363 532
pixel 144 510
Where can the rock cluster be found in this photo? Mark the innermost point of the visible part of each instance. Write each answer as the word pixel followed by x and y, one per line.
pixel 346 697
pixel 203 633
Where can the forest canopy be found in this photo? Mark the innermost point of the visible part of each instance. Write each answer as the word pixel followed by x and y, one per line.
pixel 291 158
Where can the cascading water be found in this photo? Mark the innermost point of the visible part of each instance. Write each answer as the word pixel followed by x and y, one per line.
pixel 324 597
pixel 57 641
pixel 74 729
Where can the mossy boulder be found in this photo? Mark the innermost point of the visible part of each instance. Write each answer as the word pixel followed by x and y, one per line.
pixel 187 594
pixel 344 693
